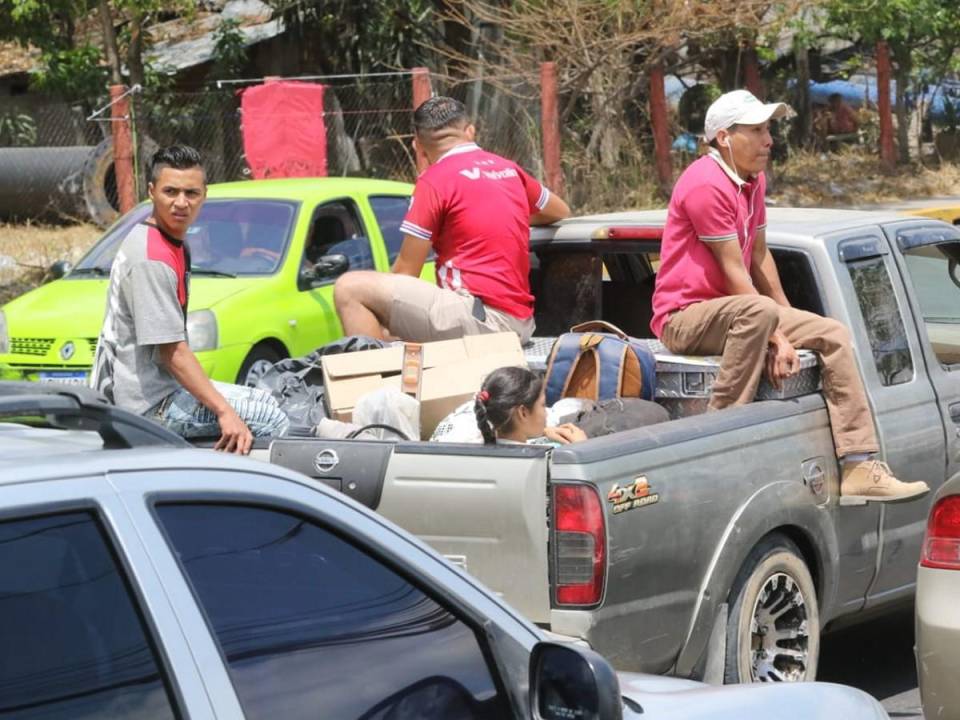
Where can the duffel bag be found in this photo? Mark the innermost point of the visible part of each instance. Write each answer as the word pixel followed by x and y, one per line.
pixel 598 361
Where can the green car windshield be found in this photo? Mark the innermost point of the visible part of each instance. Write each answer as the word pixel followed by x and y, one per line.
pixel 229 238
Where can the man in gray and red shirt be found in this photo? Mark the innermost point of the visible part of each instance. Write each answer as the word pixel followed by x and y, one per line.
pixel 144 362
pixel 718 292
pixel 474 209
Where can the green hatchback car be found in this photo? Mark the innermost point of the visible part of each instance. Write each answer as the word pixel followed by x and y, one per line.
pixel 265 255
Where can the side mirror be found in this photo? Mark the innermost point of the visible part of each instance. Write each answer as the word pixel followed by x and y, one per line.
pixel 326 269
pixel 331 266
pixel 567 681
pixel 60 268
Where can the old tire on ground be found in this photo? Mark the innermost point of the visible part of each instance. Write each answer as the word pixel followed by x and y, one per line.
pixel 257 362
pixel 773 629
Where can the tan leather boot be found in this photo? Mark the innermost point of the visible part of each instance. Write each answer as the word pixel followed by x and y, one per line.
pixel 872 480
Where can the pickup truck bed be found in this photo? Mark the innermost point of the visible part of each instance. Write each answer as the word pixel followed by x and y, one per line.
pixel 713 545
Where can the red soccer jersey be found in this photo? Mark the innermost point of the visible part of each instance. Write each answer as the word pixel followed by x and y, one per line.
pixel 475 207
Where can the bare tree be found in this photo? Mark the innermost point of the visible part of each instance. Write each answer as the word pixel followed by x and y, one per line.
pixel 603 49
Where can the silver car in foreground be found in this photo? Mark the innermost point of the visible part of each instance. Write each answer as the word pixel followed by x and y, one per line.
pixel 141 578
pixel 937 610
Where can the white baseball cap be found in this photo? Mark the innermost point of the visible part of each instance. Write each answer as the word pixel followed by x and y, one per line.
pixel 739 107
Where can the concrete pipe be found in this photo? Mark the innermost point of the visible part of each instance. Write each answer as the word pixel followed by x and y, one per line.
pixel 76 182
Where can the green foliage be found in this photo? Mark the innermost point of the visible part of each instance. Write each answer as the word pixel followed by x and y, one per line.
pixel 358 36
pixel 72 74
pixel 47 24
pixel 229 50
pixel 17 130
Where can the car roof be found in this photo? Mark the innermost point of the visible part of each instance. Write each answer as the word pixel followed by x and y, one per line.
pixel 808 222
pixel 303 188
pixel 32 454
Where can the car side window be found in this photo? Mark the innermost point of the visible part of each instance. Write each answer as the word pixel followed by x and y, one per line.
pixel 72 643
pixel 934 271
pixel 881 316
pixel 390 211
pixel 336 229
pixel 311 625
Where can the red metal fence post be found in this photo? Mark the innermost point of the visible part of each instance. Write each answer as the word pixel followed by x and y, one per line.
pixel 887 155
pixel 550 130
pixel 122 148
pixel 421 93
pixel 661 128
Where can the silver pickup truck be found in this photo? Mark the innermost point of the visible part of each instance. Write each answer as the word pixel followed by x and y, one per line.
pixel 711 546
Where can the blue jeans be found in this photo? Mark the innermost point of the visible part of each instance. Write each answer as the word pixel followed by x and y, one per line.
pixel 183 414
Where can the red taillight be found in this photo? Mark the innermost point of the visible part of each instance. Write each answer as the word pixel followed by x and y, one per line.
pixel 581 545
pixel 941 546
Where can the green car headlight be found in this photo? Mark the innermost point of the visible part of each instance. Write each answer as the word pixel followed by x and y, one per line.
pixel 202 330
pixel 4 337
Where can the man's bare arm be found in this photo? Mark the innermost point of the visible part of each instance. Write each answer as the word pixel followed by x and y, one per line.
pixel 764 273
pixel 555 209
pixel 178 358
pixel 782 360
pixel 727 254
pixel 413 254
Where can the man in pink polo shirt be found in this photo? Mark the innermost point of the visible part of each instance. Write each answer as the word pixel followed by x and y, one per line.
pixel 718 292
pixel 474 209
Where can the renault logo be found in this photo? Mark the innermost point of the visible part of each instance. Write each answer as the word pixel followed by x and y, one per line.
pixel 66 352
pixel 325 460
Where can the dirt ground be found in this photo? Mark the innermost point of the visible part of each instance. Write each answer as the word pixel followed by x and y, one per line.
pixel 27 251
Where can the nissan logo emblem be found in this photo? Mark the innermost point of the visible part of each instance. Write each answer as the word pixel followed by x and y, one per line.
pixel 325 460
pixel 66 352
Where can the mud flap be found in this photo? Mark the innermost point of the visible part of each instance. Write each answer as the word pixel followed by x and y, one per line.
pixel 717 648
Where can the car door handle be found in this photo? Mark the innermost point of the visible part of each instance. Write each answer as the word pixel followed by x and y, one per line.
pixel 955 413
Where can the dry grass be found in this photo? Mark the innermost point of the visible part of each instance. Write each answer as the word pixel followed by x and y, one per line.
pixel 27 251
pixel 853 177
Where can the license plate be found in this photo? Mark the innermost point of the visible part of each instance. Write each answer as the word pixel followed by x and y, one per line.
pixel 65 378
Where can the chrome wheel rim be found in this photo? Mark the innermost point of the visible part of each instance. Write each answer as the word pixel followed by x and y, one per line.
pixel 257 370
pixel 779 639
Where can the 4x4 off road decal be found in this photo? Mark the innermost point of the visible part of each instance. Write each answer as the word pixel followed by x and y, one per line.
pixel 630 497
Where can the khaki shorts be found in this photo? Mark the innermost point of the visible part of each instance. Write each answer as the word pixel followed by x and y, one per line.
pixel 421 312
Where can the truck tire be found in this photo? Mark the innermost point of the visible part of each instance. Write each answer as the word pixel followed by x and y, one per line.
pixel 773 629
pixel 257 362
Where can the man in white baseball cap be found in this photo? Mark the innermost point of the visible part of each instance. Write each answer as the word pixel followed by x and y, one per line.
pixel 718 293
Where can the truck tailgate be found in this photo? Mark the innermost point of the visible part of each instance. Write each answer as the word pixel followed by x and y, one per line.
pixel 477 506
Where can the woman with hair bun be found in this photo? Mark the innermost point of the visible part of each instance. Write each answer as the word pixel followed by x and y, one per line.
pixel 510 408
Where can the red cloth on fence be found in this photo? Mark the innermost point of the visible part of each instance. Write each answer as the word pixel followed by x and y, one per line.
pixel 283 130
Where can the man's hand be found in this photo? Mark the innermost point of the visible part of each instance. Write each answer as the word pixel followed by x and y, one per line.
pixel 565 434
pixel 235 436
pixel 782 360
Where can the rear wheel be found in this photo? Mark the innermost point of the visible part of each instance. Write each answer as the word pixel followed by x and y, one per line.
pixel 260 359
pixel 773 629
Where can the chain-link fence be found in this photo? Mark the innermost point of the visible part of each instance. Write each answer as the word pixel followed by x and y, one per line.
pixel 45 151
pixel 56 161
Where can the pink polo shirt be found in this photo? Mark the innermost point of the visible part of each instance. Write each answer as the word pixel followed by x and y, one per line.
pixel 710 203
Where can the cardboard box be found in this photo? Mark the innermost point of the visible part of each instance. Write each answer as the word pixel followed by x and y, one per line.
pixel 453 371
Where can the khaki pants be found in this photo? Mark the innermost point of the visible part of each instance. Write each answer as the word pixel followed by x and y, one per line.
pixel 423 312
pixel 739 327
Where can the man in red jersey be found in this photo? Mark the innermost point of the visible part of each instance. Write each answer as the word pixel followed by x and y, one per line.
pixel 474 209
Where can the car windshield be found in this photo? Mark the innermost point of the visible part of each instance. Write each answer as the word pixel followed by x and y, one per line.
pixel 229 238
